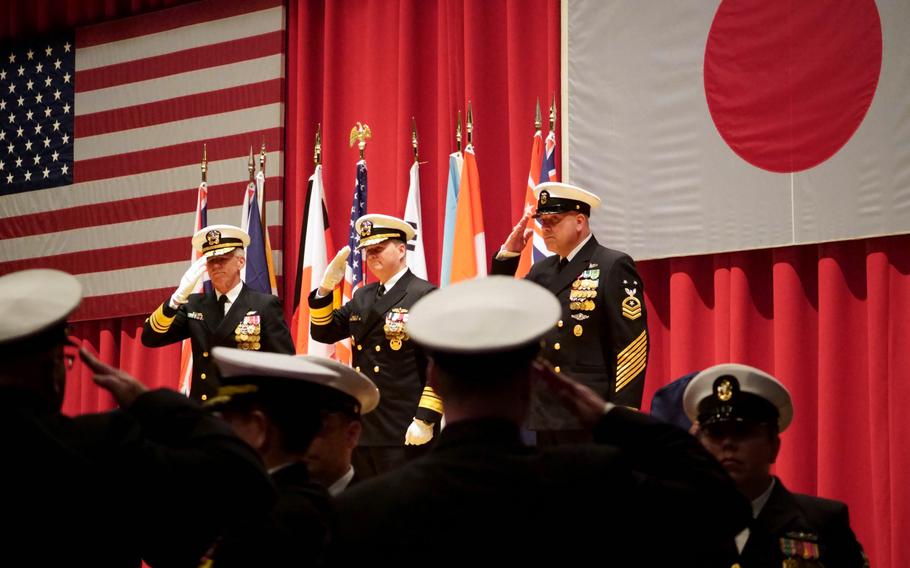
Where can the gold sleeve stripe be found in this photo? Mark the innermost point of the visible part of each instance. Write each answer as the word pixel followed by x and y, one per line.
pixel 159 322
pixel 631 361
pixel 628 380
pixel 321 316
pixel 634 345
pixel 430 400
pixel 626 368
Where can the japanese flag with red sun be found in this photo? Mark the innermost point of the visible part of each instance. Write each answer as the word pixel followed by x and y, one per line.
pixel 726 125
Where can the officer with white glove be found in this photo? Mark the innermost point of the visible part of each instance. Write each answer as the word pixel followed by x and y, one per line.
pixel 229 315
pixel 375 321
pixel 334 272
pixel 419 432
pixel 188 283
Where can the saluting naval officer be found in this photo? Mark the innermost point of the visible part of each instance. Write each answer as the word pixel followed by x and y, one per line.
pixel 143 482
pixel 739 412
pixel 601 339
pixel 480 496
pixel 277 404
pixel 231 315
pixel 375 319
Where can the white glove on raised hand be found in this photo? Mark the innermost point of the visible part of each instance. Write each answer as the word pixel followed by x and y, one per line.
pixel 188 283
pixel 419 432
pixel 334 272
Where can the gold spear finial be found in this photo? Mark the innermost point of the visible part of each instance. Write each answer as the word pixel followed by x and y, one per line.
pixel 553 114
pixel 317 148
pixel 205 164
pixel 262 156
pixel 470 125
pixel 360 134
pixel 250 165
pixel 414 136
pixel 537 118
pixel 458 132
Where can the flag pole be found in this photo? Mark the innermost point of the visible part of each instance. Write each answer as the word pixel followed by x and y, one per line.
pixel 204 167
pixel 470 125
pixel 538 120
pixel 552 113
pixel 317 147
pixel 458 133
pixel 414 137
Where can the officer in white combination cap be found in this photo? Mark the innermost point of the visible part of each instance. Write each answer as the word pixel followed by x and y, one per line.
pixel 375 320
pixel 739 412
pixel 481 496
pixel 229 315
pixel 601 336
pixel 107 489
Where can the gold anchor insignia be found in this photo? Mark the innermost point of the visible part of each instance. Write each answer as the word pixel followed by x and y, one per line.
pixel 544 197
pixel 725 390
pixel 213 237
pixel 366 228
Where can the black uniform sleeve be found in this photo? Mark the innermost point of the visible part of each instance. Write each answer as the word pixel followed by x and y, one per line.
pixel 195 478
pixel 504 267
pixel 687 497
pixel 626 345
pixel 165 326
pixel 327 324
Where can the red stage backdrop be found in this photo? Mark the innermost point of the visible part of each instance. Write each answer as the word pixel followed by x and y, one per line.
pixel 829 319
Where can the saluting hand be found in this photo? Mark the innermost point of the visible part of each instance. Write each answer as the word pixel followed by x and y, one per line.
pixel 123 386
pixel 188 282
pixel 520 234
pixel 334 272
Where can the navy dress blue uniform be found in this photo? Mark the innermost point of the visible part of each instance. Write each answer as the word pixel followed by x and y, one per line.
pixel 793 525
pixel 601 340
pixel 108 489
pixel 384 353
pixel 740 411
pixel 481 496
pixel 255 321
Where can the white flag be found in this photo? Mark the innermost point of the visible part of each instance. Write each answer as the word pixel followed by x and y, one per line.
pixel 417 261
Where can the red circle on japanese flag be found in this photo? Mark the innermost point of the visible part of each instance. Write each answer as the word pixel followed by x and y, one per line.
pixel 788 83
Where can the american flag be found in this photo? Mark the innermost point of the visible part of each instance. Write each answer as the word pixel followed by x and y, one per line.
pixel 102 134
pixel 353 274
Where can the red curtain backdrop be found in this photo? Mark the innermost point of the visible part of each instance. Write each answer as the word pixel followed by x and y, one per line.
pixel 829 320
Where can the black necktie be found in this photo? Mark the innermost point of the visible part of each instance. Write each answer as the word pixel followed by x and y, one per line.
pixel 563 262
pixel 380 291
pixel 219 312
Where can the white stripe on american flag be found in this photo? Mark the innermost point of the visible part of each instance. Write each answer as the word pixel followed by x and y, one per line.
pixel 127 187
pixel 186 37
pixel 181 84
pixel 119 234
pixel 177 132
pixel 122 227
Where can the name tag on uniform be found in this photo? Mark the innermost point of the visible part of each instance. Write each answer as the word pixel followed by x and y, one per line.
pixel 195 315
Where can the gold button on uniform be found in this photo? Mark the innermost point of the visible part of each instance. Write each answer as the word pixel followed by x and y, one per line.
pixel 378 348
pixel 556 368
pixel 205 353
pixel 556 346
pixel 202 376
pixel 357 369
pixel 359 347
pixel 204 397
pixel 559 323
pixel 376 369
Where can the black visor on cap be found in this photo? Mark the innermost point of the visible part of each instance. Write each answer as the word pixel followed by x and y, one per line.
pixel 550 205
pixel 743 407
